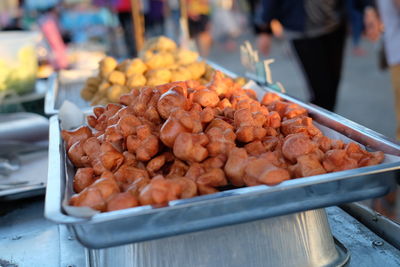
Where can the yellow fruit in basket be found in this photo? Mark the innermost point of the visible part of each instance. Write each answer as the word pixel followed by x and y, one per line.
pixel 160 43
pixel 114 92
pixel 146 55
pixel 156 82
pixel 159 74
pixel 117 77
pixel 173 66
pixel 96 99
pixel 93 81
pixel 181 74
pixel 92 88
pixel 197 69
pixel 127 90
pixel 159 60
pixel 103 101
pixel 123 65
pixel 135 66
pixel 107 65
pixel 87 93
pixel 136 80
pixel 185 56
pixel 103 87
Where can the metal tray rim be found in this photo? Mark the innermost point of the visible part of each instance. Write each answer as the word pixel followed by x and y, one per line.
pixel 49 101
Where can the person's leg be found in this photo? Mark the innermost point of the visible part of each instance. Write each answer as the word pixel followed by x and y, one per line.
pixel 125 19
pixel 200 31
pixel 176 14
pixel 334 44
pixel 357 29
pixel 395 77
pixel 387 205
pixel 204 41
pixel 313 61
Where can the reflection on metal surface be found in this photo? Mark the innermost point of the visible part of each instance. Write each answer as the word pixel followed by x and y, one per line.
pixel 23 126
pixel 301 239
pixel 59 250
pixel 382 226
pixel 23 155
pixel 9 163
pixel 359 240
pixel 28 180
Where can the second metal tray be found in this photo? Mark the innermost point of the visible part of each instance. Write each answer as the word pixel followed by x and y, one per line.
pixel 65 85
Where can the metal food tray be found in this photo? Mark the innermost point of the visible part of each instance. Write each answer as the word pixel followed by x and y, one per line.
pixel 23 145
pixel 228 207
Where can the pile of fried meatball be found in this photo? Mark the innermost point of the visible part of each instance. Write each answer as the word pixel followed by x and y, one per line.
pixel 184 139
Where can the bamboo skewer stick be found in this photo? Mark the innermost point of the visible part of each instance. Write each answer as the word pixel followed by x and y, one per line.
pixel 138 25
pixel 184 24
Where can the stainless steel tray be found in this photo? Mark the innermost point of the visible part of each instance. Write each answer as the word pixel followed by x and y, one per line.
pixel 30 178
pixel 23 145
pixel 223 208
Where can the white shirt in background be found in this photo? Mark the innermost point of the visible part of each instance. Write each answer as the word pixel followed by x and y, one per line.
pixel 173 4
pixel 390 15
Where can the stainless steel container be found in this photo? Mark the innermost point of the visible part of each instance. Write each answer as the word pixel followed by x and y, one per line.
pixel 224 208
pixel 295 240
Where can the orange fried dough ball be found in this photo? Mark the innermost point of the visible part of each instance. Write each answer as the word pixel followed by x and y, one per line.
pixel 83 178
pixel 80 134
pixel 159 191
pixel 191 147
pixel 122 201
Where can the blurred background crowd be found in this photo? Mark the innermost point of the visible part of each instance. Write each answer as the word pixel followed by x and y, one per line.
pixel 321 48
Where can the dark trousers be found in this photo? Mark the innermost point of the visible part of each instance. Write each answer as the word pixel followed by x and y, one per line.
pixel 321 59
pixel 125 19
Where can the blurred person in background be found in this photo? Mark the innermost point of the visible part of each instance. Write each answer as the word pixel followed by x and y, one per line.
pixel 172 19
pixel 227 22
pixel 199 24
pixel 9 15
pixel 356 26
pixel 317 32
pixel 389 11
pixel 154 17
pixel 253 5
pixel 124 12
